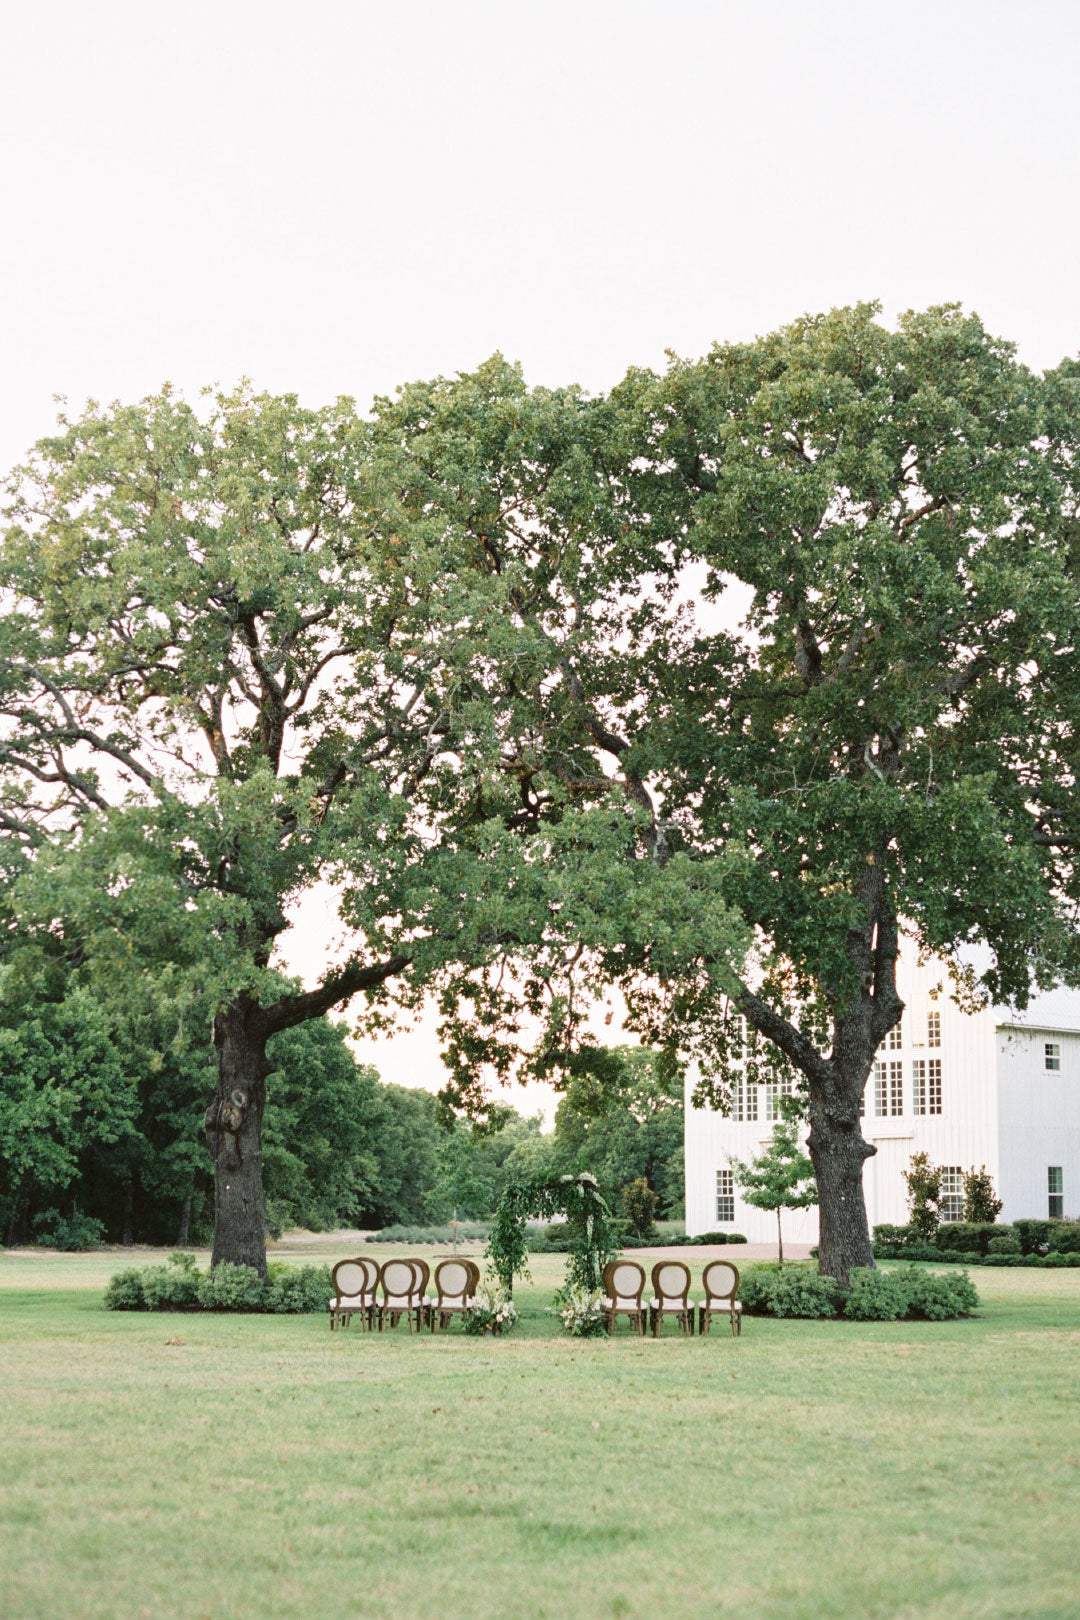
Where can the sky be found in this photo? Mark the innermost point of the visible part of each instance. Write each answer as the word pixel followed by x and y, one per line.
pixel 336 198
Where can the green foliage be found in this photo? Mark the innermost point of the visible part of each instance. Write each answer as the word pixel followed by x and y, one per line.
pixel 1004 1243
pixel 967 1237
pixel 170 1287
pixel 892 1242
pixel 587 1220
pixel 781 1177
pixel 232 1287
pixel 875 1296
pixel 124 1291
pixel 625 1124
pixel 719 1237
pixel 907 1291
pixel 981 1202
pixel 798 1291
pixel 1064 1237
pixel 295 1290
pixel 924 1195
pixel 937 1297
pixel 1034 1235
pixel 72 1232
pixel 639 1206
pixel 581 1312
pixel 467 1231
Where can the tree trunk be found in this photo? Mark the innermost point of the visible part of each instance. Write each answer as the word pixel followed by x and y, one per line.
pixel 185 1221
pixel 233 1125
pixel 127 1237
pixel 839 1151
pixel 779 1237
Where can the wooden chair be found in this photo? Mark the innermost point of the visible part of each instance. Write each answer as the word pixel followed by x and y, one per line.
pixel 354 1283
pixel 671 1296
pixel 423 1276
pixel 624 1284
pixel 720 1280
pixel 401 1295
pixel 455 1286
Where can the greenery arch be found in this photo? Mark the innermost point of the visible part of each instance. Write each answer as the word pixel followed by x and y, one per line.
pixel 588 1218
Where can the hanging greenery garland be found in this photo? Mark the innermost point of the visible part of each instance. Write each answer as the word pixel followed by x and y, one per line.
pixel 588 1219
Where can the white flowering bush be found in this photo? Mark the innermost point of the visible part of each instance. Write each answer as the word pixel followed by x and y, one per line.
pixel 494 1312
pixel 581 1312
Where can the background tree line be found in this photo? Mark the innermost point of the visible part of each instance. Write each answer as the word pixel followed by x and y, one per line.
pixel 99 1108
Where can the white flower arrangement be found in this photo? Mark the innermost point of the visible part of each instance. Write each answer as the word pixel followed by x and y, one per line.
pixel 493 1313
pixel 582 1313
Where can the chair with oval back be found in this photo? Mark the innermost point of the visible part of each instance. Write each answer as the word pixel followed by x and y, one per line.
pixel 671 1295
pixel 398 1283
pixel 720 1280
pixel 423 1277
pixel 624 1284
pixel 371 1293
pixel 474 1271
pixel 350 1292
pixel 454 1289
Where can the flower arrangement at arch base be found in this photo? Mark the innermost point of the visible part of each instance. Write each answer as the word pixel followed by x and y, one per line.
pixel 581 1312
pixel 493 1314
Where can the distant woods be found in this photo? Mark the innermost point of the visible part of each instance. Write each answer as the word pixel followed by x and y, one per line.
pixel 97 1140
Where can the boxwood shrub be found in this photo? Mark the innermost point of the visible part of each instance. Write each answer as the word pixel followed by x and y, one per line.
pixel 874 1296
pixel 180 1285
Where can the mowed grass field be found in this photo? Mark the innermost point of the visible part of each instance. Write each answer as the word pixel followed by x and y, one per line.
pixel 233 1467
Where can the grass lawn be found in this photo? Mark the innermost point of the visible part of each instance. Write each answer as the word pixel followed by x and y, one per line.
pixel 188 1466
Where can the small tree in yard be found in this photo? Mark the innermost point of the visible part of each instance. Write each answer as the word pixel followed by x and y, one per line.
pixel 924 1195
pixel 981 1202
pixel 639 1206
pixel 782 1177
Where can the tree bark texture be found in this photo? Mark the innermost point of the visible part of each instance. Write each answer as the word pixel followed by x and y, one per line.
pixel 127 1236
pixel 838 1151
pixel 185 1221
pixel 233 1126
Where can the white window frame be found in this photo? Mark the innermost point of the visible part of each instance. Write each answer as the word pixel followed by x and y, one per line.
pixel 933 1028
pixel 1052 1056
pixel 1055 1192
pixel 896 1088
pixel 918 1086
pixel 881 1088
pixel 933 1081
pixel 894 1040
pixel 725 1196
pixel 951 1205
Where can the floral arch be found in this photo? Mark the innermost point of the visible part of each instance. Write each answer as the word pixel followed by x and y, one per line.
pixel 588 1219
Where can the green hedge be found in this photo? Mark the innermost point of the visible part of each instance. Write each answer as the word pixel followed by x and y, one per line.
pixel 179 1285
pixel 967 1244
pixel 874 1296
pixel 467 1232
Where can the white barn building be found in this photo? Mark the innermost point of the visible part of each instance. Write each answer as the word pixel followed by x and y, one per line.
pixel 997 1088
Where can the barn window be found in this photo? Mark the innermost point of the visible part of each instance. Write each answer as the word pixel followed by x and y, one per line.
pixel 744 1100
pixel 951 1207
pixel 1052 1055
pixel 725 1195
pixel 933 1029
pixel 1055 1184
pixel 926 1086
pixel 881 1090
pixel 896 1088
pixel 896 1037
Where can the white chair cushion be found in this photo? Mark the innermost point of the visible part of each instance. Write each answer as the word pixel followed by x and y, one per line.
pixel 724 1305
pixel 348 1302
pixel 671 1304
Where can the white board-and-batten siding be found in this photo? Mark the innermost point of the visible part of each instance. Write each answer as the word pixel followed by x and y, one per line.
pixel 997 1111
